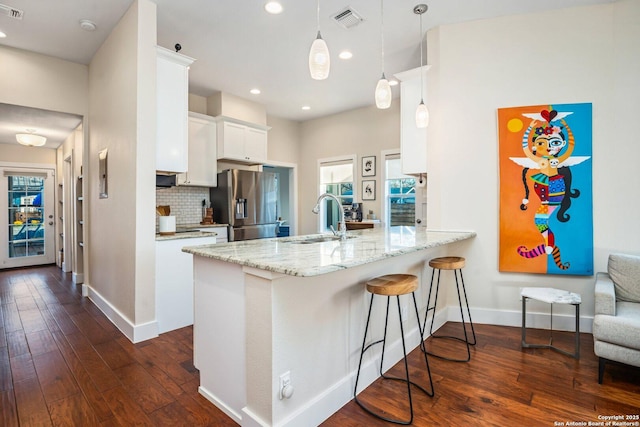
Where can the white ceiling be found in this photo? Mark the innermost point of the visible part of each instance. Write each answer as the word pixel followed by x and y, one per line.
pixel 238 46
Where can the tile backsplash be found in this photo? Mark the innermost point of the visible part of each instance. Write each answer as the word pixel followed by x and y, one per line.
pixel 185 202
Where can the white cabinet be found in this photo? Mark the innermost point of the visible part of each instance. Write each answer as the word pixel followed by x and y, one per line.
pixel 241 142
pixel 172 107
pixel 203 169
pixel 413 141
pixel 220 230
pixel 174 282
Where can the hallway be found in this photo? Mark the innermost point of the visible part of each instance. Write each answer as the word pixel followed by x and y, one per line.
pixel 62 362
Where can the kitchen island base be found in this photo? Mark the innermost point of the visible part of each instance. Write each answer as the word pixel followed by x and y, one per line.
pixel 253 325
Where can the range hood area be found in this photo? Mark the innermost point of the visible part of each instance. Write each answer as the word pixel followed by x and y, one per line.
pixel 165 181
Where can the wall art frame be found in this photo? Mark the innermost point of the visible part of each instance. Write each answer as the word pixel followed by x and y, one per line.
pixel 369 189
pixel 369 166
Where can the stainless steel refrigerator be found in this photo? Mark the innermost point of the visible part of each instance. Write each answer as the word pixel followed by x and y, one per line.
pixel 246 200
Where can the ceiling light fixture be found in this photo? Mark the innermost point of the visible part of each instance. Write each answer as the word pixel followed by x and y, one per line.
pixel 255 91
pixel 306 108
pixel 30 139
pixel 393 83
pixel 422 113
pixel 273 7
pixel 319 59
pixel 383 90
pixel 345 54
pixel 2 35
pixel 87 25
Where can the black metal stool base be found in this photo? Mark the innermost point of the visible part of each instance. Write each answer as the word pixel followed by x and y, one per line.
pixel 469 341
pixel 406 380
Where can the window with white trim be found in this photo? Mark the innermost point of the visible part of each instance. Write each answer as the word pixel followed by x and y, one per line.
pixel 336 176
pixel 400 193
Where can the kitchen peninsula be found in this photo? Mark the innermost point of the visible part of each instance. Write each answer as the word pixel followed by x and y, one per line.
pixel 295 307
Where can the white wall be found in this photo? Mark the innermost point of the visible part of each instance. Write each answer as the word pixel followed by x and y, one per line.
pixel 364 132
pixel 586 54
pixel 40 81
pixel 123 110
pixel 20 154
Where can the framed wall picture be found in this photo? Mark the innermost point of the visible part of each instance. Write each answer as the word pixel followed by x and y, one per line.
pixel 369 189
pixel 369 166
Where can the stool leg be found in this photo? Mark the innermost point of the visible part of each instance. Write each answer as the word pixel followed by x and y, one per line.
pixel 466 340
pixel 364 340
pixel 466 302
pixel 384 336
pixel 435 304
pixel 426 361
pixel 407 379
pixel 464 328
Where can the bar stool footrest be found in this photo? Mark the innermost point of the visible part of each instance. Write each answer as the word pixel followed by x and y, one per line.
pixel 391 420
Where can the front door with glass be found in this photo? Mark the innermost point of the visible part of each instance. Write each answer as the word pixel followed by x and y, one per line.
pixel 27 212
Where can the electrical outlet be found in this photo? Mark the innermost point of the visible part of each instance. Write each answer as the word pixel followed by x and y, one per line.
pixel 285 390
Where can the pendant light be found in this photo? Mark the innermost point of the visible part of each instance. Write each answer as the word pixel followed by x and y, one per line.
pixel 383 89
pixel 422 113
pixel 319 60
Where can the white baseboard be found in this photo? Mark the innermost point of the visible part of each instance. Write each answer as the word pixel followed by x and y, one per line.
pixel 77 278
pixel 224 408
pixel 535 320
pixel 135 333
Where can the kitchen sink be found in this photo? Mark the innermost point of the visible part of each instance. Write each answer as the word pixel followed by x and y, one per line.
pixel 320 240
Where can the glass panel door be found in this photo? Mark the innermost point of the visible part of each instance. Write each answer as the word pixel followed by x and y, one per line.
pixel 26 235
pixel 28 216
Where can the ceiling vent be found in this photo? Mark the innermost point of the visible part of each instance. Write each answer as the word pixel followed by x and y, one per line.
pixel 347 17
pixel 11 12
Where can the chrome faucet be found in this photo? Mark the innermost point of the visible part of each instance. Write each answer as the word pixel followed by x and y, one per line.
pixel 343 226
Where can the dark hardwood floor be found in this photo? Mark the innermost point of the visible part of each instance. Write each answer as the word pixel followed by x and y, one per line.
pixel 63 363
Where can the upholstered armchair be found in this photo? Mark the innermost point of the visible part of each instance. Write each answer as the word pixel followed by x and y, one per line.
pixel 616 325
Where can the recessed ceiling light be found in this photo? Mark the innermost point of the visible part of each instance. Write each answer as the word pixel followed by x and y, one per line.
pixel 2 35
pixel 273 7
pixel 393 83
pixel 306 108
pixel 255 91
pixel 87 25
pixel 345 54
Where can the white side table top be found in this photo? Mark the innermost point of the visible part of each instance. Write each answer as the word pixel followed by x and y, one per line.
pixel 551 295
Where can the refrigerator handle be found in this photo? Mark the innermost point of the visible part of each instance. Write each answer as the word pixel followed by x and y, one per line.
pixel 241 208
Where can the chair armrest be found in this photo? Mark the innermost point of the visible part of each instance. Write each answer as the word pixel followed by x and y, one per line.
pixel 605 295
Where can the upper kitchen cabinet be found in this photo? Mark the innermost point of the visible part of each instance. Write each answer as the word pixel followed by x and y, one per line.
pixel 202 170
pixel 413 140
pixel 242 142
pixel 173 106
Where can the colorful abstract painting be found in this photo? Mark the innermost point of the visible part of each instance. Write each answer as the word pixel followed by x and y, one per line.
pixel 546 203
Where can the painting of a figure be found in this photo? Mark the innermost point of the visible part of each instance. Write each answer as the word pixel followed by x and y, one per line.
pixel 546 208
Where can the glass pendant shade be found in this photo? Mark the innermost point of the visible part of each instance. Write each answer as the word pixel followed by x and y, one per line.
pixel 422 115
pixel 30 139
pixel 319 59
pixel 383 93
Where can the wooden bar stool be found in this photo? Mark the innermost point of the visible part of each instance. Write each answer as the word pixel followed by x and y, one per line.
pixel 393 285
pixel 456 264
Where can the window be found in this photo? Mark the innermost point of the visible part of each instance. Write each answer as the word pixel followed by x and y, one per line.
pixel 337 178
pixel 400 192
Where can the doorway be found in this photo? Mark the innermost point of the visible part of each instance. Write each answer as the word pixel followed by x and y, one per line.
pixel 27 212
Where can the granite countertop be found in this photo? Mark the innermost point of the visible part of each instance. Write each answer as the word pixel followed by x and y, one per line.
pixel 185 235
pixel 190 234
pixel 288 256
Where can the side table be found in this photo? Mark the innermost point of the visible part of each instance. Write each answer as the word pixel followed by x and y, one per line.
pixel 551 296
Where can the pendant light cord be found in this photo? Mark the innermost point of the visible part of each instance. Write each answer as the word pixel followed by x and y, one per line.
pixel 318 16
pixel 421 73
pixel 382 34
